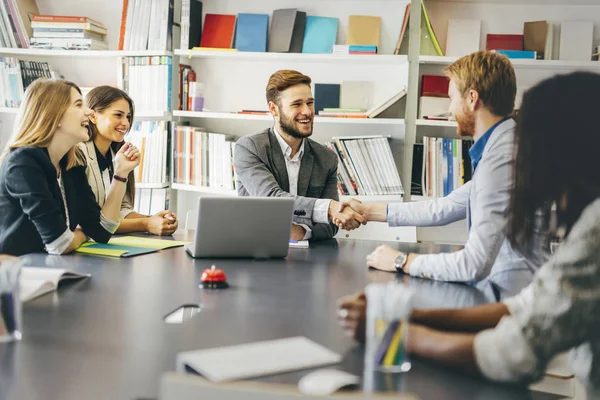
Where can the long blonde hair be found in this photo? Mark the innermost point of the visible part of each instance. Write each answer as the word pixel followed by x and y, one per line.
pixel 44 105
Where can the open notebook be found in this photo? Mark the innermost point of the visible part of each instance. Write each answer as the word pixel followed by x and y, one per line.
pixel 223 364
pixel 36 282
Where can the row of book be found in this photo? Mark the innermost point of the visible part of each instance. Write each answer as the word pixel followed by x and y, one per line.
pixel 58 32
pixel 291 31
pixel 151 138
pixel 15 23
pixel 148 81
pixel 440 166
pixel 366 166
pixel 16 75
pixel 202 158
pixel 148 25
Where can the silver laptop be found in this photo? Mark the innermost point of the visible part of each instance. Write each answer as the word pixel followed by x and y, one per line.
pixel 257 227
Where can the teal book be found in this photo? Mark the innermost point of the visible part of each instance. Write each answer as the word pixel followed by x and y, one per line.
pixel 251 32
pixel 320 35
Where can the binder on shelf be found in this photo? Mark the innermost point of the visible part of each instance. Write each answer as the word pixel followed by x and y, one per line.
pixel 251 32
pixel 463 37
pixel 576 39
pixel 384 109
pixel 283 25
pixel 363 30
pixel 504 42
pixel 537 36
pixel 218 31
pixel 402 44
pixel 327 95
pixel 320 35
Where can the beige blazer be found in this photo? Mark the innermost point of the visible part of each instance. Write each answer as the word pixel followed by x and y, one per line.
pixel 100 182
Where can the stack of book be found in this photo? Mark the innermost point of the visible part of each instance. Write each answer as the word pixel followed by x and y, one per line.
pixel 16 75
pixel 354 49
pixel 67 33
pixel 202 159
pixel 366 166
pixel 344 112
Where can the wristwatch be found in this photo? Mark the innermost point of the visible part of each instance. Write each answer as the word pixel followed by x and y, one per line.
pixel 400 261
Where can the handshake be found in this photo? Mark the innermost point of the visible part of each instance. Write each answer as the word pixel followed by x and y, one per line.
pixel 348 215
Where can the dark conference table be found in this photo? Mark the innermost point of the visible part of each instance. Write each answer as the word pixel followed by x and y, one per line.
pixel 105 338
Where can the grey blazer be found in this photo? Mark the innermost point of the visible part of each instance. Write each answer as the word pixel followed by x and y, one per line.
pixel 97 183
pixel 261 171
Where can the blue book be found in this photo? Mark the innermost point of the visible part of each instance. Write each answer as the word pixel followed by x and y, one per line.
pixel 320 35
pixel 518 53
pixel 251 32
pixel 445 166
pixel 354 47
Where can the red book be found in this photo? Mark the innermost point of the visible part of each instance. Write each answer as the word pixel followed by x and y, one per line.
pixel 218 31
pixel 434 86
pixel 65 18
pixel 123 25
pixel 504 42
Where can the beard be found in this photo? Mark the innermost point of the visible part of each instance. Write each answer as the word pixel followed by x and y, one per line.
pixel 288 125
pixel 465 123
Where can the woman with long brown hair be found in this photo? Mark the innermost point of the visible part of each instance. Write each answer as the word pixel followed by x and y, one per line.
pixel 110 120
pixel 45 200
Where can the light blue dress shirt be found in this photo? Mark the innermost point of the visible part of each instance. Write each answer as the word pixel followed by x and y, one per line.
pixel 487 260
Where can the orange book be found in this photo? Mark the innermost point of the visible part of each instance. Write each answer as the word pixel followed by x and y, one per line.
pixel 123 25
pixel 218 31
pixel 65 18
pixel 140 170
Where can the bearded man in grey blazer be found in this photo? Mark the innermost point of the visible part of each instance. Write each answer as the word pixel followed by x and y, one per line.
pixel 283 162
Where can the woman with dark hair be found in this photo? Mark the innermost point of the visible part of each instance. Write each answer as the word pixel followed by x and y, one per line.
pixel 558 164
pixel 111 119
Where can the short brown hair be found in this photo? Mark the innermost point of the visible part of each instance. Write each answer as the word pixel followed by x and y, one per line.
pixel 283 79
pixel 491 75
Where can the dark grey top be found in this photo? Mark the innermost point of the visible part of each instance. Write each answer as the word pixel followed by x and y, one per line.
pixel 104 338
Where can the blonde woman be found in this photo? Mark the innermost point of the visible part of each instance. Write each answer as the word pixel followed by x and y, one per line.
pixel 45 200
pixel 112 113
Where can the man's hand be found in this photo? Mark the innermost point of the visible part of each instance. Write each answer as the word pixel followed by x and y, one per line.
pixel 347 219
pixel 384 256
pixel 162 223
pixel 352 316
pixel 298 232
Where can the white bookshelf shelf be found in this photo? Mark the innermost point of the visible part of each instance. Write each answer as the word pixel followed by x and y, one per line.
pixel 81 53
pixel 152 116
pixel 9 110
pixel 202 189
pixel 387 198
pixel 301 57
pixel 162 185
pixel 429 122
pixel 521 63
pixel 318 120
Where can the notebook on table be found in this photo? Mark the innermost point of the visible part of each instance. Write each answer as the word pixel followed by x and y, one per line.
pixel 127 246
pixel 224 364
pixel 36 282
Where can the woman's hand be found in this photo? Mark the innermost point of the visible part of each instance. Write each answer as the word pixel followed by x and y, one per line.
pixel 162 223
pixel 126 159
pixel 352 316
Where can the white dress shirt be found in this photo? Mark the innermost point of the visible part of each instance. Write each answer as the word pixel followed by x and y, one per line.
pixel 292 164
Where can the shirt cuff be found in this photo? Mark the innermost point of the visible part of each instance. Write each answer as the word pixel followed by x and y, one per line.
pixel 59 245
pixel 503 354
pixel 308 233
pixel 418 269
pixel 321 211
pixel 108 224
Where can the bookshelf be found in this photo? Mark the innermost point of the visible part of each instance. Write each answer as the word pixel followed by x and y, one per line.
pixel 237 79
